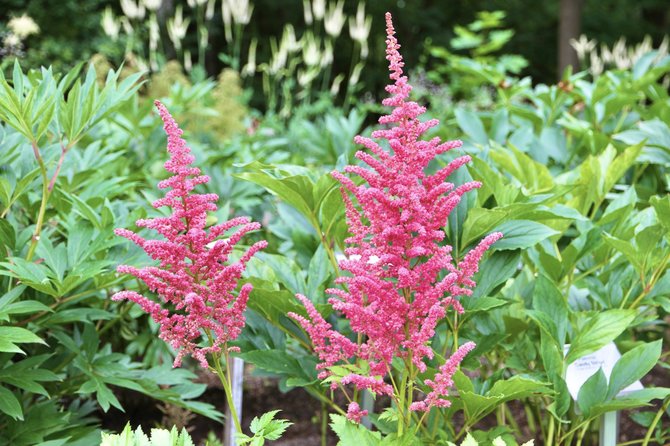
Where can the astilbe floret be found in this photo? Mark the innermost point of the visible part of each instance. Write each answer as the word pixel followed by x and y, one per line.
pixel 402 278
pixel 199 310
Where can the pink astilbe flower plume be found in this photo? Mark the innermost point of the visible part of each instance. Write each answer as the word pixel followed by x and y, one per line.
pixel 200 310
pixel 402 278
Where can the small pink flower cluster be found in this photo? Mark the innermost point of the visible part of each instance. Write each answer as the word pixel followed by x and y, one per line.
pixel 402 278
pixel 193 277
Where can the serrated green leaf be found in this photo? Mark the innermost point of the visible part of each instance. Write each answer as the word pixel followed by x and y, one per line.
pixel 353 434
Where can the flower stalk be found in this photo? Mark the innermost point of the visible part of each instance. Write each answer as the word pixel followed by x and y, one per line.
pixel 401 277
pixel 199 311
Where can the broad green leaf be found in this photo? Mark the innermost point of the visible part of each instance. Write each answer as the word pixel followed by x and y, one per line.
pixel 10 336
pixel 592 392
pixel 460 212
pixel 295 190
pixel 9 404
pixel 479 222
pixel 287 271
pixel 281 363
pixel 662 208
pixel 631 400
pixel 600 329
pixel 517 387
pixel 7 238
pixel 635 257
pixel 548 299
pixel 5 194
pixel 31 274
pixel 633 365
pixel 521 234
pixel 620 165
pixel 494 271
pixel 482 304
pixel 10 296
pixel 471 125
pixel 86 211
pixel 532 175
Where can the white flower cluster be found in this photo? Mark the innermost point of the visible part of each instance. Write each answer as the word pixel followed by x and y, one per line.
pixel 619 56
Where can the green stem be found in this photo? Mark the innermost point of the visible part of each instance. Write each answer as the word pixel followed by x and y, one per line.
pixel 43 205
pixel 509 417
pixel 550 432
pixel 401 404
pixel 324 424
pixel 653 424
pixel 656 275
pixel 625 443
pixel 580 436
pixel 567 437
pixel 225 380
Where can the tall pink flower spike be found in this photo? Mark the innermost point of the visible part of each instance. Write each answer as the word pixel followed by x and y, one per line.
pixel 193 279
pixel 398 290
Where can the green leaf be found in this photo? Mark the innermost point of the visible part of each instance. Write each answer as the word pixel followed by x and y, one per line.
pixel 478 406
pixel 267 428
pixel 521 234
pixel 106 397
pixel 480 221
pixel 83 209
pixel 318 272
pixel 621 164
pixel 5 193
pixel 532 175
pixel 471 125
pixel 295 190
pixel 662 208
pixel 353 434
pixel 9 404
pixel 482 304
pixel 517 387
pixel 631 400
pixel 548 299
pixel 633 365
pixel 592 392
pixel 494 271
pixel 287 271
pixel 10 296
pixel 280 362
pixel 10 336
pixel 7 238
pixel 31 274
pixel 599 330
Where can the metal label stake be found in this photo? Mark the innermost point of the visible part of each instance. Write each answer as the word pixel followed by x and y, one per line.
pixel 237 377
pixel 609 429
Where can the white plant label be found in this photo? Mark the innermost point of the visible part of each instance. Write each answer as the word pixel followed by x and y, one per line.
pixel 583 368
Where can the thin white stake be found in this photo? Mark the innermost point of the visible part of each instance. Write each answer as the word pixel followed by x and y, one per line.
pixel 237 377
pixel 609 429
pixel 369 405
